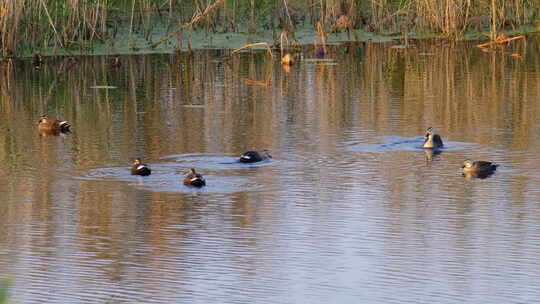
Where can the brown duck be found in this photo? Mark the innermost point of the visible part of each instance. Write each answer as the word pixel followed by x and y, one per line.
pixel 194 179
pixel 46 125
pixel 139 168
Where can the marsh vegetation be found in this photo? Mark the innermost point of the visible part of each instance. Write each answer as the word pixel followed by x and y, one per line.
pixel 30 26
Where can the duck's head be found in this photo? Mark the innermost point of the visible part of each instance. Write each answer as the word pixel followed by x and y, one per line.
pixel 467 164
pixel 192 172
pixel 429 131
pixel 137 161
pixel 43 118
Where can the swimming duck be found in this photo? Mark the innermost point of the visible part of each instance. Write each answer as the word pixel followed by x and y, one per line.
pixel 432 141
pixel 288 59
pixel 139 168
pixel 478 166
pixel 53 125
pixel 194 179
pixel 254 156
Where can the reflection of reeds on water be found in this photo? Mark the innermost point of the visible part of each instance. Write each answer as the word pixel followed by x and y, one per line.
pixel 189 97
pixel 193 102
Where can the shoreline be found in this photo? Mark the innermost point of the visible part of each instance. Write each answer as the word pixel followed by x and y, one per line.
pixel 138 45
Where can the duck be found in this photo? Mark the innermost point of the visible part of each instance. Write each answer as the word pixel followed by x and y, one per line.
pixel 254 156
pixel 287 59
pixel 431 140
pixel 37 61
pixel 320 52
pixel 194 179
pixel 115 62
pixel 478 166
pixel 46 125
pixel 139 168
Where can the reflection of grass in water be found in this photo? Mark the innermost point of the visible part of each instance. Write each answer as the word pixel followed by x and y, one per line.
pixel 4 286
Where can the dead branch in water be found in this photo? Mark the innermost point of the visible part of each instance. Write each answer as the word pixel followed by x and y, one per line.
pixel 250 45
pixel 209 9
pixel 499 40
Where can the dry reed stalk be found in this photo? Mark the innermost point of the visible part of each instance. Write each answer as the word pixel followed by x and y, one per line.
pixel 252 17
pixel 283 36
pixel 209 9
pixel 130 34
pixel 51 22
pixel 288 14
pixel 250 45
pixel 10 15
pixel 493 25
pixel 322 37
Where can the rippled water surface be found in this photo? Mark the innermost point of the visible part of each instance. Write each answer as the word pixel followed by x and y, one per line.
pixel 350 209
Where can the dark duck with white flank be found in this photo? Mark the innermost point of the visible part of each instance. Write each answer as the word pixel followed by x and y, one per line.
pixel 139 168
pixel 255 156
pixel 478 166
pixel 431 140
pixel 194 179
pixel 478 169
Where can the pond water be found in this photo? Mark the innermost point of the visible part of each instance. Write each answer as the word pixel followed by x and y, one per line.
pixel 350 209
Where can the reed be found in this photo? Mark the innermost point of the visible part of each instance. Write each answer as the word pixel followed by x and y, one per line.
pixel 27 26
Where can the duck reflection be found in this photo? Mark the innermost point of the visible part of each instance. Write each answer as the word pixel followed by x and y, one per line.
pixel 480 175
pixel 432 154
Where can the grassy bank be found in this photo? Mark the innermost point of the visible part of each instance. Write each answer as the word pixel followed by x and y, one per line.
pixel 29 26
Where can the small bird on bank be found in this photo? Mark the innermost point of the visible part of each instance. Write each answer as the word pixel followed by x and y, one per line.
pixel 46 125
pixel 194 179
pixel 139 168
pixel 431 140
pixel 255 156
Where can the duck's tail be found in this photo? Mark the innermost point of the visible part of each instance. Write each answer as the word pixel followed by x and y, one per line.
pixel 64 126
pixel 198 182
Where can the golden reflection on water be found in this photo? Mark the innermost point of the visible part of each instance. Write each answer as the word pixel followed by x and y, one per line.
pixel 194 103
